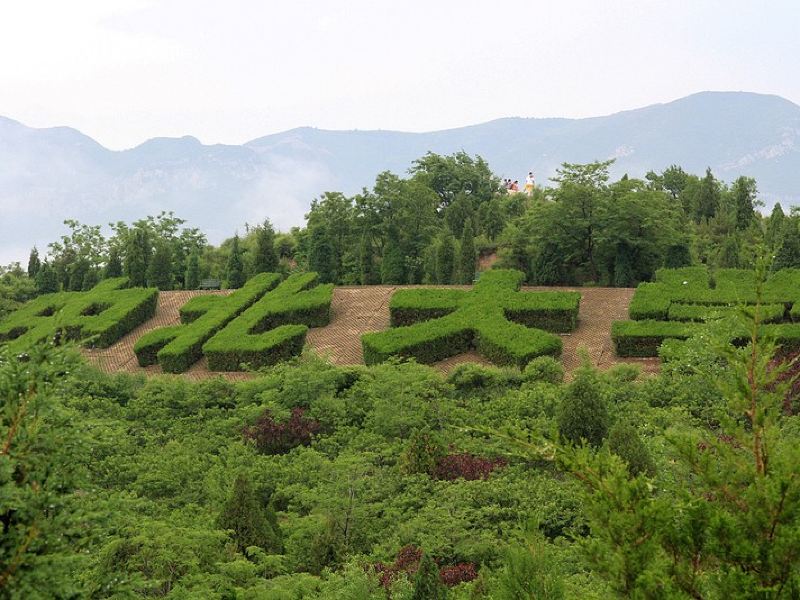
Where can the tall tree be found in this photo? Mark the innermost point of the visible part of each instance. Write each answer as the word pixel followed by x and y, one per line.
pixel 34 264
pixel 624 274
pixel 192 278
pixel 369 270
pixel 250 521
pixel 266 258
pixel 321 258
pixel 113 267
pixel 445 259
pixel 393 265
pixel 137 257
pixel 159 271
pixel 775 226
pixel 466 261
pixel 46 279
pixel 744 192
pixel 582 414
pixel 708 197
pixel 234 270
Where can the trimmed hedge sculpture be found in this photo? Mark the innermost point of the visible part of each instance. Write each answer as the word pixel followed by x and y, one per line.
pixel 97 318
pixel 502 323
pixel 178 347
pixel 274 328
pixel 677 302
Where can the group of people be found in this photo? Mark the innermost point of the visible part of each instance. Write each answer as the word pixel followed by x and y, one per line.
pixel 512 187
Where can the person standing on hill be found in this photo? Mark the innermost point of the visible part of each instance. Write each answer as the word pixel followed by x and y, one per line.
pixel 514 186
pixel 529 184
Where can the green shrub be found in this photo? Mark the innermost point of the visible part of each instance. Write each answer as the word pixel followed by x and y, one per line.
pixel 769 313
pixel 274 328
pixel 643 338
pixel 495 318
pixel 624 441
pixel 582 414
pixel 178 348
pixel 97 318
pixel 545 369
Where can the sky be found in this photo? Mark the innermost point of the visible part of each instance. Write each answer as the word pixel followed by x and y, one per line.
pixel 123 71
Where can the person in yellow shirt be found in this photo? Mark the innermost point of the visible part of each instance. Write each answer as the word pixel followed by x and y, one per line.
pixel 529 184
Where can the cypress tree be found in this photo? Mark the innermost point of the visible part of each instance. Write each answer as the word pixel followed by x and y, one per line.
pixel 582 413
pixel 192 279
pixel 393 264
pixel 624 275
pixel 729 253
pixel 708 197
pixel 427 583
pixel 266 258
pixel 114 264
pixel 159 271
pixel 34 264
pixel 235 267
pixel 677 256
pixel 369 271
pixel 90 279
pixel 546 268
pixel 624 441
pixel 320 255
pixel 445 258
pixel 744 195
pixel 46 279
pixel 775 226
pixel 137 257
pixel 252 523
pixel 788 255
pixel 77 272
pixel 466 263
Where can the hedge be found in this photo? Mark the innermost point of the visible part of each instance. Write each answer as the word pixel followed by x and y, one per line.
pixel 769 313
pixel 643 338
pixel 177 348
pixel 795 312
pixel 274 328
pixel 97 318
pixel 494 318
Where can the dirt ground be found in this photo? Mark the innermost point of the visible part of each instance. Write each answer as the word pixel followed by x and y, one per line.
pixel 357 310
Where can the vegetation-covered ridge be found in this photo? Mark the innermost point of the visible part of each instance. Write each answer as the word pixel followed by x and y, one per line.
pixel 505 325
pixel 679 300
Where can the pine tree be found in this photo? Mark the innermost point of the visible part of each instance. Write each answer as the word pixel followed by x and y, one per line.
pixel 34 264
pixel 320 254
pixel 466 262
pixel 582 414
pixel 77 272
pixel 708 197
pixel 729 253
pixel 445 259
pixel 266 258
pixel 624 441
pixel 775 226
pixel 393 265
pixel 192 279
pixel 235 266
pixel 114 264
pixel 427 583
pixel 369 271
pixel 252 523
pixel 677 256
pixel 624 275
pixel 90 279
pixel 137 257
pixel 46 279
pixel 744 197
pixel 788 255
pixel 546 268
pixel 159 271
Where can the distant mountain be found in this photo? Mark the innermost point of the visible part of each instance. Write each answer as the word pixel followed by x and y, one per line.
pixel 48 175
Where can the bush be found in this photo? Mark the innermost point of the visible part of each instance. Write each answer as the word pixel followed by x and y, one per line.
pixel 624 441
pixel 177 348
pixel 544 369
pixel 464 465
pixel 274 328
pixel 582 414
pixel 275 437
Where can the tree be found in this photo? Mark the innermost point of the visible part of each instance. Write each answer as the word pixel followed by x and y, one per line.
pixel 266 258
pixel 788 255
pixel 582 414
pixel 114 265
pixel 159 271
pixel 445 259
pixel 321 257
pixel 137 257
pixel 393 264
pixel 529 572
pixel 624 275
pixel 624 441
pixel 775 226
pixel 234 270
pixel 369 270
pixel 744 192
pixel 729 253
pixel 427 584
pixel 708 197
pixel 466 261
pixel 547 266
pixel 46 280
pixel 456 174
pixel 251 522
pixel 677 256
pixel 192 278
pixel 34 264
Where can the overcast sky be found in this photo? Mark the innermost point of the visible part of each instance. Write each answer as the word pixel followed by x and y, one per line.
pixel 123 71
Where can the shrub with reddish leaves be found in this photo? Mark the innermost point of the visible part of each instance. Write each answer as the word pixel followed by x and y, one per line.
pixel 407 562
pixel 277 437
pixel 464 465
pixel 460 573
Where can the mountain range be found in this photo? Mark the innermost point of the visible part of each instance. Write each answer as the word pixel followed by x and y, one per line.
pixel 51 174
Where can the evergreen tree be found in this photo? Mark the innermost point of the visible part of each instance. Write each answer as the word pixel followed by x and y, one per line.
pixel 624 275
pixel 137 257
pixel 114 264
pixel 46 279
pixel 252 523
pixel 369 270
pixel 624 441
pixel 235 267
pixel 729 253
pixel 266 258
pixel 78 270
pixel 192 278
pixel 744 193
pixel 34 264
pixel 445 259
pixel 708 197
pixel 90 279
pixel 775 226
pixel 321 257
pixel 466 262
pixel 427 583
pixel 159 271
pixel 677 256
pixel 393 264
pixel 492 218
pixel 547 266
pixel 582 413
pixel 788 255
